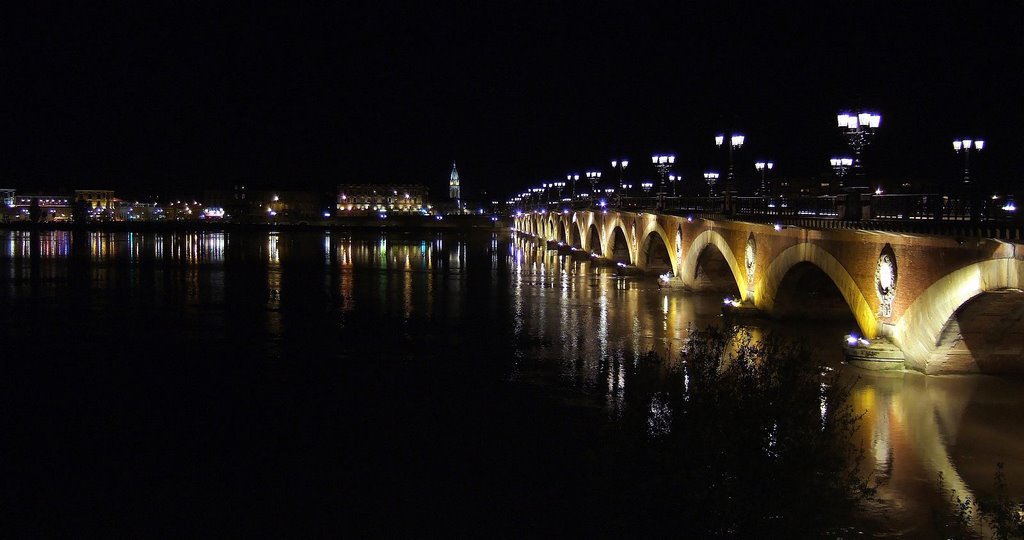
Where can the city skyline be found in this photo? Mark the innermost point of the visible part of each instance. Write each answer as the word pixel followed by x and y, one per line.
pixel 151 101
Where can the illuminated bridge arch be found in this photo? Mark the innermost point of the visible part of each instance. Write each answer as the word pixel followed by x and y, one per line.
pixel 918 330
pixel 643 257
pixel 767 287
pixel 616 250
pixel 712 238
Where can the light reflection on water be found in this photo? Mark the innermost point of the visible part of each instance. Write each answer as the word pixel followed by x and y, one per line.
pixel 561 321
pixel 914 427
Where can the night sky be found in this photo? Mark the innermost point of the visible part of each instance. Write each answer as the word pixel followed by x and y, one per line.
pixel 173 100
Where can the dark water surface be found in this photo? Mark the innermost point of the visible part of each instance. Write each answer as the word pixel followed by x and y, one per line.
pixel 312 383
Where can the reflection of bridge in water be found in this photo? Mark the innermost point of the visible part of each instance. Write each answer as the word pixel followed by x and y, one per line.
pixel 948 303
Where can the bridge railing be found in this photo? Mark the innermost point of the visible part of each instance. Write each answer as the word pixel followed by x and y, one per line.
pixel 925 213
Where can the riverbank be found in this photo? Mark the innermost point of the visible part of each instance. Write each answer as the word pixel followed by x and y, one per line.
pixel 390 223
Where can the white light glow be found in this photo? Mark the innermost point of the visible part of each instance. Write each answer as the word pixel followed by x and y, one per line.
pixel 978 145
pixel 957 145
pixel 719 139
pixel 737 140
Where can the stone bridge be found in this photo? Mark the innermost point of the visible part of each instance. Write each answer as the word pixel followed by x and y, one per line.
pixel 951 305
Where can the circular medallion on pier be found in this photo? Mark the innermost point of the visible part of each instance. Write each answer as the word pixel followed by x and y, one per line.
pixel 750 260
pixel 885 281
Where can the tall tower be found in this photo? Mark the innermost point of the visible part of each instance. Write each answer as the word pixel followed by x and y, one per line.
pixel 454 191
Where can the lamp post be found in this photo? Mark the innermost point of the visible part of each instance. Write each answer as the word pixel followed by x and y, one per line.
pixel 608 192
pixel 858 128
pixel 537 192
pixel 763 167
pixel 559 186
pixel 965 147
pixel 593 177
pixel 672 179
pixel 841 166
pixel 625 191
pixel 711 178
pixel 572 177
pixel 620 166
pixel 735 141
pixel 662 162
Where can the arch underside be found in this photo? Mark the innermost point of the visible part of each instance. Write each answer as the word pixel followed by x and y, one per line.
pixel 919 332
pixel 617 246
pixel 656 252
pixel 767 287
pixel 705 240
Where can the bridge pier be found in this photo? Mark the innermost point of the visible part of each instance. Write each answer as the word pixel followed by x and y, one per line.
pixel 733 309
pixel 878 354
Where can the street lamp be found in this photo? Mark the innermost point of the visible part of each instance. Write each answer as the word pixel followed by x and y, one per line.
pixel 735 141
pixel 662 162
pixel 858 128
pixel 537 192
pixel 711 177
pixel 965 146
pixel 593 176
pixel 608 192
pixel 620 166
pixel 572 177
pixel 558 186
pixel 841 165
pixel 673 178
pixel 763 167
pixel 625 190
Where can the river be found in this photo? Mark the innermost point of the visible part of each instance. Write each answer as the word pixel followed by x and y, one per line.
pixel 199 382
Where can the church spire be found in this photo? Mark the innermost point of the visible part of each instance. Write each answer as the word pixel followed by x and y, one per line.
pixel 454 189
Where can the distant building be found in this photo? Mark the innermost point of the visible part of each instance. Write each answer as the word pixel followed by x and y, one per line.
pixel 454 187
pixel 7 197
pixel 96 199
pixel 52 207
pixel 362 199
pixel 245 205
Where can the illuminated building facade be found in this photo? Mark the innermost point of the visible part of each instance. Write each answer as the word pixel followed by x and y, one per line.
pixel 96 199
pixel 52 207
pixel 361 199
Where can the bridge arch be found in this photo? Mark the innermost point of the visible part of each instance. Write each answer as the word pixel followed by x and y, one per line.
pixel 918 330
pixel 617 247
pixel 551 227
pixel 657 240
pixel 714 239
pixel 767 287
pixel 576 240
